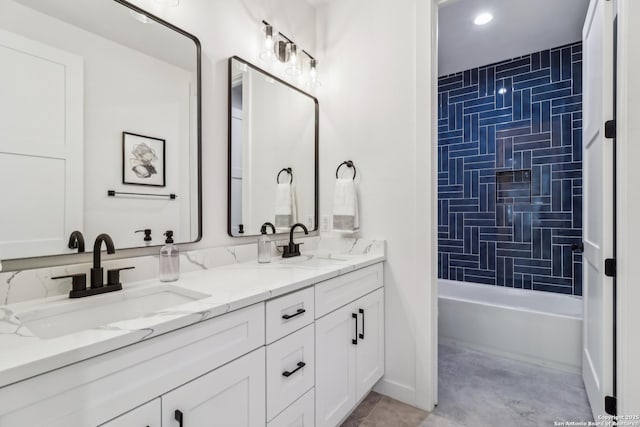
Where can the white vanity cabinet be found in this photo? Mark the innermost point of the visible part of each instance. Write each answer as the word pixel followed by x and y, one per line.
pixel 349 347
pixel 302 359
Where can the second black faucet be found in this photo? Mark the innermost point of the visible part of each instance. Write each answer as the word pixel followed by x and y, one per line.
pixel 293 249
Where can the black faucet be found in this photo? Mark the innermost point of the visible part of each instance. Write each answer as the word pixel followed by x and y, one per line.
pixel 76 241
pixel 79 281
pixel 293 249
pixel 96 271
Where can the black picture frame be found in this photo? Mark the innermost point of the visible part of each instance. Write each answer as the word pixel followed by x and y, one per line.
pixel 158 147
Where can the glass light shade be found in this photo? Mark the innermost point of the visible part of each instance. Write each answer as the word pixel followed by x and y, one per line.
pixel 294 65
pixel 313 73
pixel 267 52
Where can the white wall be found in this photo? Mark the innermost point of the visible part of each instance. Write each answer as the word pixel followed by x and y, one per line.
pixel 628 207
pixel 375 109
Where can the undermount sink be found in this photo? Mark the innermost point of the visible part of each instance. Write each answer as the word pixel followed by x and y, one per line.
pixel 69 316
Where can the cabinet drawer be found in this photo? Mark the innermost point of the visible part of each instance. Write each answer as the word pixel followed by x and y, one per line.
pixel 289 313
pixel 301 413
pixel 335 293
pixel 290 369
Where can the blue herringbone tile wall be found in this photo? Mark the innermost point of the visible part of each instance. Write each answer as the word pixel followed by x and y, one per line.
pixel 510 172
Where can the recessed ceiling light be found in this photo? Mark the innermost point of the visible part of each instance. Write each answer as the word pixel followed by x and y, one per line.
pixel 483 18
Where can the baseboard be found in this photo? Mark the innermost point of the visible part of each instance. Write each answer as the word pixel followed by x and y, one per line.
pixel 397 391
pixel 508 355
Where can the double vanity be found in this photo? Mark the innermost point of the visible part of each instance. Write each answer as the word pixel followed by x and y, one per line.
pixel 297 342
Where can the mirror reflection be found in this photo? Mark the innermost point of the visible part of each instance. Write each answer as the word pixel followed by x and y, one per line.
pixel 273 152
pixel 99 114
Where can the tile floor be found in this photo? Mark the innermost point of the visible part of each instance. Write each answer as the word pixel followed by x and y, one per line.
pixel 478 390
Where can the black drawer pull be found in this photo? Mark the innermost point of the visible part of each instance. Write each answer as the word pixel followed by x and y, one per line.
pixel 297 313
pixel 355 340
pixel 178 417
pixel 361 311
pixel 289 373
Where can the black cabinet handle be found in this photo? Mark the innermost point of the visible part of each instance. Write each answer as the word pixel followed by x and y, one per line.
pixel 297 313
pixel 289 373
pixel 355 340
pixel 361 311
pixel 178 417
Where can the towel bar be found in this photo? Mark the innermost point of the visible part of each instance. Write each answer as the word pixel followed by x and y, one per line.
pixel 113 193
pixel 349 164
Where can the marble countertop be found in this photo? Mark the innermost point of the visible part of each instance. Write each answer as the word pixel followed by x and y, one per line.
pixel 224 289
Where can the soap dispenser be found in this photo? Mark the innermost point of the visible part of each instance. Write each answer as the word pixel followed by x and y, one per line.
pixel 169 260
pixel 264 244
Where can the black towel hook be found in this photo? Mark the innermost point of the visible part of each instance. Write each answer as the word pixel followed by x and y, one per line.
pixel 287 170
pixel 349 164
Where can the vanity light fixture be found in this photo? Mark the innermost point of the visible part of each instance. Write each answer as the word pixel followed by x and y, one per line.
pixel 502 91
pixel 483 18
pixel 276 47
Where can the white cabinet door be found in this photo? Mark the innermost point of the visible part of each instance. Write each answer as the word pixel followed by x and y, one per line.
pixel 370 348
pixel 231 396
pixel 147 415
pixel 335 366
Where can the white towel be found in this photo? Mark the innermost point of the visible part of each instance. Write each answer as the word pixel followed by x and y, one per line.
pixel 286 211
pixel 345 206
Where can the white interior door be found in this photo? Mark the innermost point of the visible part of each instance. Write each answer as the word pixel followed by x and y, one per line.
pixel 41 132
pixel 597 359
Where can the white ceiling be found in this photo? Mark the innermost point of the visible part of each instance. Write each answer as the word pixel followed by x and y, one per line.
pixel 519 27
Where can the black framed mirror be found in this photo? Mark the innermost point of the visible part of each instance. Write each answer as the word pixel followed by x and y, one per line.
pixel 273 152
pixel 102 131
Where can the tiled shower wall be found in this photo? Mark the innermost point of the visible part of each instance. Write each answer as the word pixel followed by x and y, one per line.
pixel 510 172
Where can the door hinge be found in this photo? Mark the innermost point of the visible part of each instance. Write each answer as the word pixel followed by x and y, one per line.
pixel 610 129
pixel 611 405
pixel 610 267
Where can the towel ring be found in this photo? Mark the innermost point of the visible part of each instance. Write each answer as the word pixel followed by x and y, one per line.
pixel 348 164
pixel 287 170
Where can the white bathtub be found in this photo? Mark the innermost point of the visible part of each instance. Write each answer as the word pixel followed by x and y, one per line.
pixel 539 327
